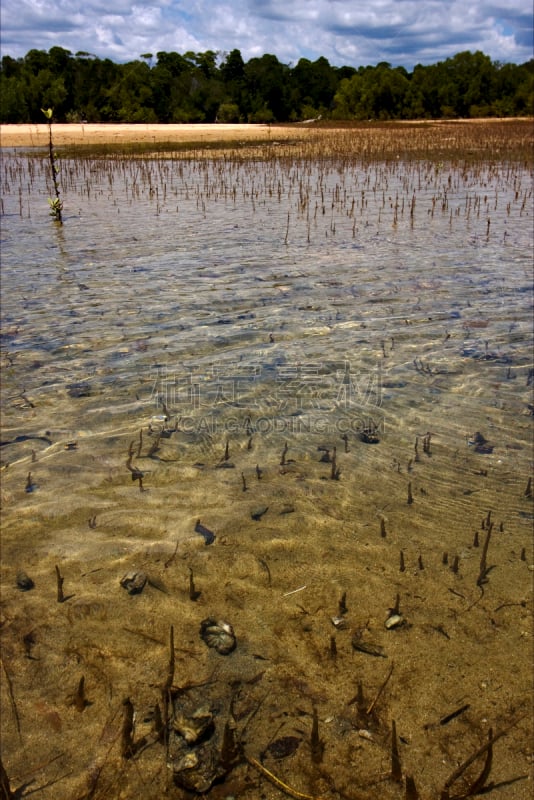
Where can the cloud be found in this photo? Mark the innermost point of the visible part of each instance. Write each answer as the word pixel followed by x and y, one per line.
pixel 403 32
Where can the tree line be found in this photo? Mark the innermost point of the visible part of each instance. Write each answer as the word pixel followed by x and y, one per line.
pixel 211 87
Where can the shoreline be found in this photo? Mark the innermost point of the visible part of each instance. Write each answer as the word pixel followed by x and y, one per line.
pixel 36 134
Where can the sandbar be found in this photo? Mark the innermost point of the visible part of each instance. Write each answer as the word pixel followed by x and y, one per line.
pixel 37 135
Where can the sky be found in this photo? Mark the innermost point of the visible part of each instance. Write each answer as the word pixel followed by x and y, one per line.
pixel 346 32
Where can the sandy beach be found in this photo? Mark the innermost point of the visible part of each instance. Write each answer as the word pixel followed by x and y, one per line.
pixel 418 137
pixel 66 134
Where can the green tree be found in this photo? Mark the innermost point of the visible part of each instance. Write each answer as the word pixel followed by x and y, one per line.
pixel 193 88
pixel 524 93
pixel 171 84
pixel 206 63
pixel 232 72
pixel 13 105
pixel 131 95
pixel 267 89
pixel 228 112
pixel 233 68
pixel 348 98
pixel 313 87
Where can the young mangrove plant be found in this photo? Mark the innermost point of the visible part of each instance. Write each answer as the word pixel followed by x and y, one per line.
pixel 56 204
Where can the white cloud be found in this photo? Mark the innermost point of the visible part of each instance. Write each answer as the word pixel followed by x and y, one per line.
pixel 344 31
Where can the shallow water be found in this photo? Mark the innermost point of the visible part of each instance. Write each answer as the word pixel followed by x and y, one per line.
pixel 264 306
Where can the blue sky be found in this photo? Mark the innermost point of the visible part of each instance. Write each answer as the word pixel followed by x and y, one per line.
pixel 346 32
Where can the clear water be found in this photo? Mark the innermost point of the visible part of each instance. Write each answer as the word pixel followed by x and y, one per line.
pixel 265 305
pixel 173 278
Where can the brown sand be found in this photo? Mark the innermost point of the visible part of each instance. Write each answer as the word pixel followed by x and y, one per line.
pixel 278 580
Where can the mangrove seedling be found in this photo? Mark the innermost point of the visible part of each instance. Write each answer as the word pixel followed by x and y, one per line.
pixel 59 581
pixel 55 203
pixel 194 594
pixel 396 769
pixel 78 698
pixel 127 742
pixel 335 470
pixel 333 647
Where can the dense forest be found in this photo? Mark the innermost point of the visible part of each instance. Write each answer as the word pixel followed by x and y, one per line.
pixel 210 87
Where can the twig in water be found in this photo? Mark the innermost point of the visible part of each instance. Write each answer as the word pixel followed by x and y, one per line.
pixel 265 566
pixel 370 708
pixel 280 784
pixel 171 559
pixel 12 700
pixel 449 717
pixel 5 789
pixel 294 591
pixel 476 786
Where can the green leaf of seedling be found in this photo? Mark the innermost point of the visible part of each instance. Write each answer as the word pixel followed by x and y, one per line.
pixel 55 206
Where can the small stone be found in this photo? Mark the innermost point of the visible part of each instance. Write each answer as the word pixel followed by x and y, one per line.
pixel 192 728
pixel 24 583
pixel 219 635
pixel 393 621
pixel 134 582
pixel 257 513
pixel 79 389
pixel 369 436
pixel 283 747
pixel 288 509
pixel 197 770
pixel 340 623
pixel 209 536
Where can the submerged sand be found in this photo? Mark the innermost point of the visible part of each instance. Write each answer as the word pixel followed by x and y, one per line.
pixel 306 565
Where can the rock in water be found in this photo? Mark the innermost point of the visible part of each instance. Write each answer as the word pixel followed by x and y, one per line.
pixel 134 582
pixel 24 583
pixel 219 635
